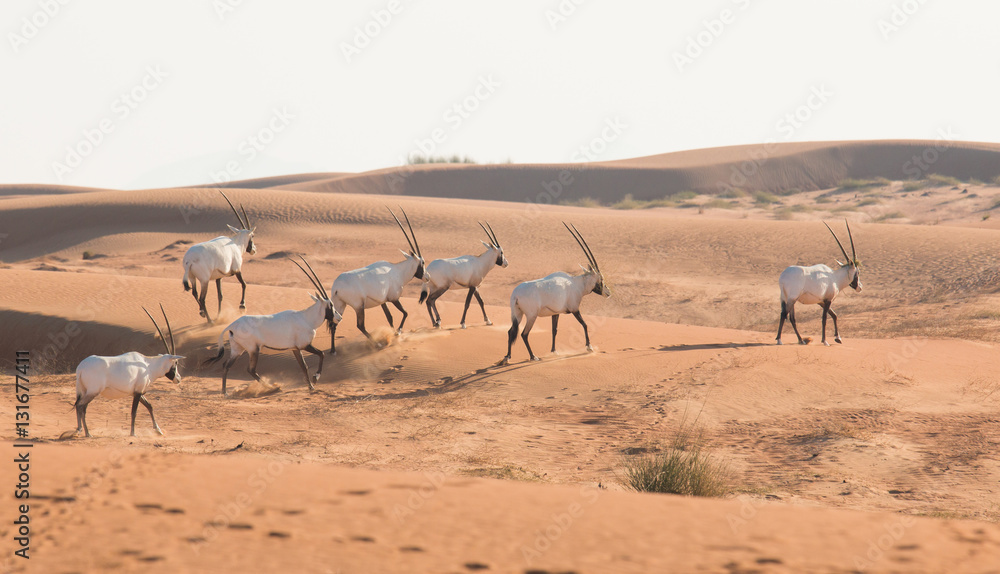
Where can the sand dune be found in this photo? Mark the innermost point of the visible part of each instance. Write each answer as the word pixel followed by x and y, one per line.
pixel 775 167
pixel 867 456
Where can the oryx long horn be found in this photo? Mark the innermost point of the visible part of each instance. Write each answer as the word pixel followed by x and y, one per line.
pixel 240 218
pixel 413 235
pixel 311 279
pixel 170 332
pixel 319 284
pixel 401 228
pixel 842 250
pixel 583 245
pixel 245 216
pixel 492 238
pixel 853 250
pixel 162 338
pixel 494 233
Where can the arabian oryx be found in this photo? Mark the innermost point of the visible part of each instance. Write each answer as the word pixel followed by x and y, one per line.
pixel 818 285
pixel 553 295
pixel 124 375
pixel 377 284
pixel 218 258
pixel 467 271
pixel 281 331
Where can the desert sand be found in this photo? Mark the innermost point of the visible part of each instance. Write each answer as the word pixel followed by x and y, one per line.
pixel 878 455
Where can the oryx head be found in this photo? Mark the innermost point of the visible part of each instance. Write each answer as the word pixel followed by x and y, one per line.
pixel 852 261
pixel 412 240
pixel 599 287
pixel 245 233
pixel 494 244
pixel 174 373
pixel 332 317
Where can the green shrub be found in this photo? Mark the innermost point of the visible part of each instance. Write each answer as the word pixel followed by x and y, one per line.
pixel 765 198
pixel 685 467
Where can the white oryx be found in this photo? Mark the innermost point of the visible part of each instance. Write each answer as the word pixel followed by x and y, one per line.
pixel 125 375
pixel 553 295
pixel 818 285
pixel 281 331
pixel 377 285
pixel 218 258
pixel 467 271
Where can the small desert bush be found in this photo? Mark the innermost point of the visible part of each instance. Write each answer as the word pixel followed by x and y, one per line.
pixel 915 185
pixel 718 203
pixel 869 201
pixel 888 216
pixel 627 202
pixel 733 193
pixel 938 180
pixel 852 183
pixel 765 198
pixel 685 467
pixel 823 199
pixel 583 202
pixel 416 159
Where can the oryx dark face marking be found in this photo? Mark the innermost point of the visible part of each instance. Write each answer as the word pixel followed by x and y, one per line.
pixel 420 268
pixel 856 282
pixel 499 258
pixel 250 248
pixel 172 373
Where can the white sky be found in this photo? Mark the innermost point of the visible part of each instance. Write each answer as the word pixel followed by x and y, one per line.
pixel 555 89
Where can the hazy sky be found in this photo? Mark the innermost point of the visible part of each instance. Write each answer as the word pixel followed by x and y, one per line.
pixel 128 94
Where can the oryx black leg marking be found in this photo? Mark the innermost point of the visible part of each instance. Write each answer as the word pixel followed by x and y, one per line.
pixel 225 371
pixel 791 319
pixel 524 336
pixel 218 287
pixel 555 327
pixel 361 325
pixel 836 331
pixel 388 315
pixel 201 302
pixel 781 323
pixel 511 335
pixel 318 353
pixel 403 311
pixel 482 306
pixel 243 297
pixel 826 308
pixel 333 344
pixel 252 367
pixel 586 334
pixel 468 299
pixel 305 369
pixel 81 416
pixel 135 407
pixel 194 289
pixel 149 407
pixel 434 302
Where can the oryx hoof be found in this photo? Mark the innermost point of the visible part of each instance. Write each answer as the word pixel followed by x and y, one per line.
pixel 489 323
pixel 504 362
pixel 534 359
pixel 158 431
pixel 202 314
pixel 801 342
pixel 825 343
pixel 838 340
pixel 778 342
pixel 590 349
pixel 243 307
pixel 463 325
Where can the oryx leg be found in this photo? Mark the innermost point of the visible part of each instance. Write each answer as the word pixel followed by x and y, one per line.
pixel 826 307
pixel 586 334
pixel 433 302
pixel 528 323
pixel 361 327
pixel 218 287
pixel 149 407
pixel 81 414
pixel 318 353
pixel 235 352
pixel 135 407
pixel 781 323
pixel 305 369
pixel 388 315
pixel 555 327
pixel 483 307
pixel 203 310
pixel 836 331
pixel 243 296
pixel 252 367
pixel 468 299
pixel 338 306
pixel 403 311
pixel 791 319
pixel 511 335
